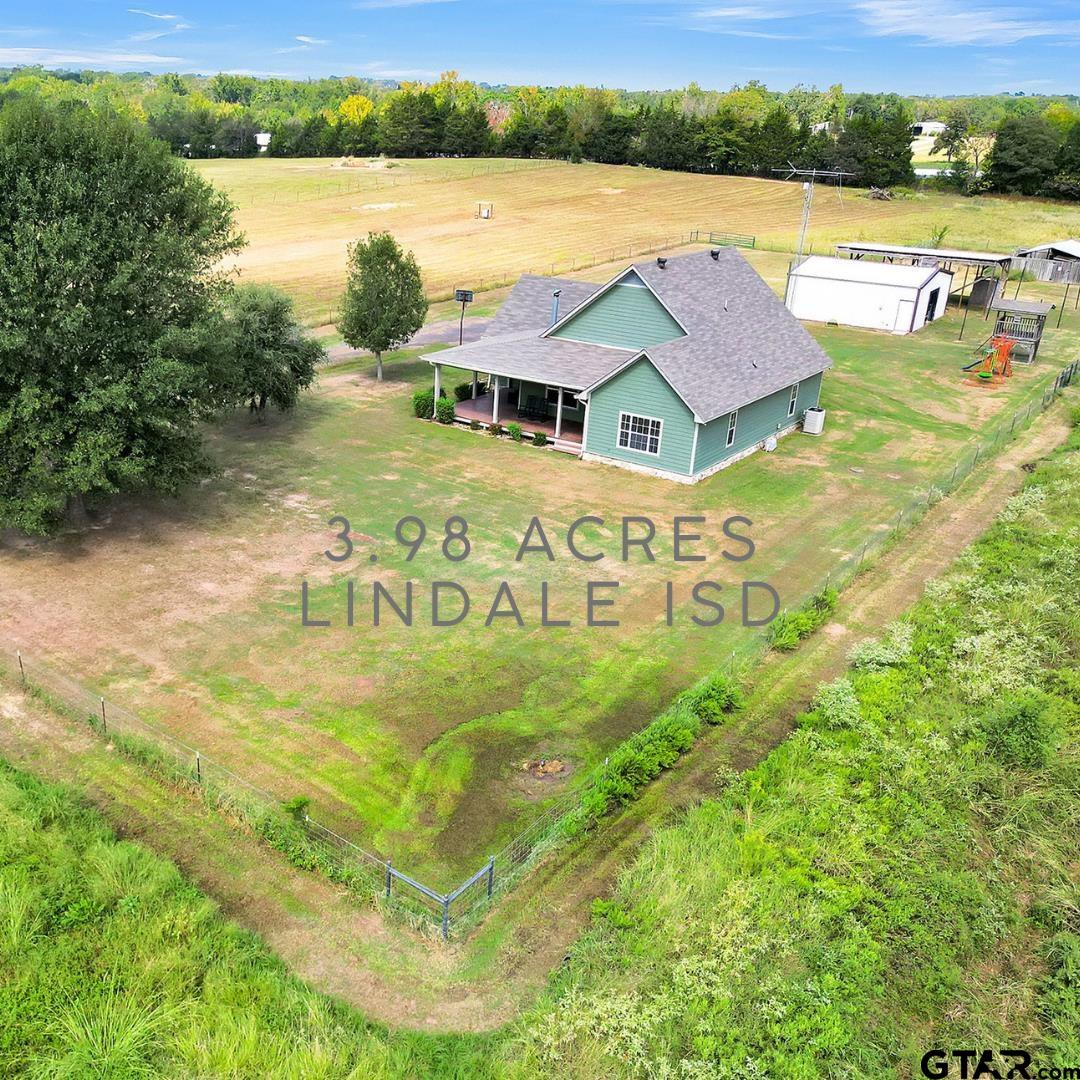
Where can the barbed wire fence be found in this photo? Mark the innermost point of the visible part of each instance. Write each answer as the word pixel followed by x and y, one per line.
pixel 311 845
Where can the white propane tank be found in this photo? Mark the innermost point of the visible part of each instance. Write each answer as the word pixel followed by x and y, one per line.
pixel 814 421
pixel 770 444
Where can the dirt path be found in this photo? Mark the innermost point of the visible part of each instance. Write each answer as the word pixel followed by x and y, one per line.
pixel 406 979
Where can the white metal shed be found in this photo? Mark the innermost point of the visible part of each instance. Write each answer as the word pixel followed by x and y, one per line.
pixel 878 296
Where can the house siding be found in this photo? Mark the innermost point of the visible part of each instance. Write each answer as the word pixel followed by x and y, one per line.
pixel 626 316
pixel 757 421
pixel 640 389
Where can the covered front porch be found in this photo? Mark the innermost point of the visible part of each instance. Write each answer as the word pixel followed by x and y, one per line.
pixel 504 401
pixel 481 409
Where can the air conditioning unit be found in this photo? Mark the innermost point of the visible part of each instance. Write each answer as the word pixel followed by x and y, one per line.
pixel 813 421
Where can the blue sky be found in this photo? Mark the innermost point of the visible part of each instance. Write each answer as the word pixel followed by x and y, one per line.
pixel 911 46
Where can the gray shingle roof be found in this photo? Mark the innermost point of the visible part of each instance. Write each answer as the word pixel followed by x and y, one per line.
pixel 528 307
pixel 741 343
pixel 555 361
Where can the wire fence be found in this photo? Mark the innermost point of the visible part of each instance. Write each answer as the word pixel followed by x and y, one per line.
pixel 311 845
pixel 320 305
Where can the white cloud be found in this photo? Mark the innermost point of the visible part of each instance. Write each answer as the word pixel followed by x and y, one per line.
pixel 305 40
pixel 936 24
pixel 91 57
pixel 368 5
pixel 153 15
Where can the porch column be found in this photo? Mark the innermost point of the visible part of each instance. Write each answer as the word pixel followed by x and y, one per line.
pixel 438 381
pixel 495 400
pixel 475 386
pixel 558 415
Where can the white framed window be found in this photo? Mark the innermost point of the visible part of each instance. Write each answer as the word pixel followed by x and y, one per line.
pixel 733 419
pixel 794 399
pixel 642 433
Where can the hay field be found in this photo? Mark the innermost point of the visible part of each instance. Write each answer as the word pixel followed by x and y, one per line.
pixel 299 215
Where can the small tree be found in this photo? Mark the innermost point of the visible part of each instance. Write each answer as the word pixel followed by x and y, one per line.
pixel 269 359
pixel 384 301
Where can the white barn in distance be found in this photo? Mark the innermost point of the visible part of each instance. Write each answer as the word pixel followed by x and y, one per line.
pixel 877 296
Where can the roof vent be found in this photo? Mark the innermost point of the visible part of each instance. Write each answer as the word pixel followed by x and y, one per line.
pixel 715 253
pixel 555 307
pixel 661 262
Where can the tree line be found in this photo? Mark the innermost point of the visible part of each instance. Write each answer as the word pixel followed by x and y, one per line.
pixel 748 130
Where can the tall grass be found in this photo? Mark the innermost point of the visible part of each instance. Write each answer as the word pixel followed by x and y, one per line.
pixel 899 875
pixel 114 966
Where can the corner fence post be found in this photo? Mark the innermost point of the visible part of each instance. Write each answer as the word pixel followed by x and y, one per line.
pixel 445 917
pixel 389 877
pixel 104 726
pixel 22 670
pixel 491 876
pixel 198 767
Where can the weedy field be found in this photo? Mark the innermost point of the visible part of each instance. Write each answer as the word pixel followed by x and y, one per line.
pixel 422 741
pixel 895 877
pixel 300 214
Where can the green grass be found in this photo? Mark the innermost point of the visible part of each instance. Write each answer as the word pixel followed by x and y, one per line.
pixel 898 876
pixel 115 966
pixel 411 740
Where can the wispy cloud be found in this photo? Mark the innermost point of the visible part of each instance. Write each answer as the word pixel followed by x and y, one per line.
pixel 368 5
pixel 306 42
pixel 932 23
pixel 153 15
pixel 738 20
pixel 57 57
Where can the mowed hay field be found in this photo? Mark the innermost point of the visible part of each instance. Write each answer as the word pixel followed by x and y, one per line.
pixel 412 739
pixel 299 215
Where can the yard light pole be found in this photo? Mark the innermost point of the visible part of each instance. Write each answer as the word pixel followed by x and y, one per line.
pixel 463 297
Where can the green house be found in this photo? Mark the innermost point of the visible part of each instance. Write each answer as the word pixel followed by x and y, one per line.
pixel 676 367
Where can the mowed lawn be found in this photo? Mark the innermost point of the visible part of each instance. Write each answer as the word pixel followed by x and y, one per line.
pixel 412 739
pixel 299 215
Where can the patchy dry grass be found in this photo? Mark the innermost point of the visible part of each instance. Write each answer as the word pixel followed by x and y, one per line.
pixel 413 739
pixel 299 215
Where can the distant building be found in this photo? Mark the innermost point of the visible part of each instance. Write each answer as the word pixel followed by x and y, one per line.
pixel 874 295
pixel 928 127
pixel 262 141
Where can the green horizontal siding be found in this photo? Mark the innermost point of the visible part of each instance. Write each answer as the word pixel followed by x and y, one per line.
pixel 640 389
pixel 757 421
pixel 626 316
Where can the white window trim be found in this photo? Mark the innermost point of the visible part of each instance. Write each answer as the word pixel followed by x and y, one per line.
pixel 732 424
pixel 634 449
pixel 794 400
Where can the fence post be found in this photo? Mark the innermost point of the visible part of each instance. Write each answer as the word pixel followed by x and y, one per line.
pixel 104 727
pixel 445 917
pixel 198 767
pixel 978 450
pixel 389 877
pixel 952 479
pixel 22 670
pixel 900 517
pixel 491 876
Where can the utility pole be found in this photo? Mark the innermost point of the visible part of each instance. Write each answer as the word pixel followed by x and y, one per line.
pixel 808 195
pixel 808 201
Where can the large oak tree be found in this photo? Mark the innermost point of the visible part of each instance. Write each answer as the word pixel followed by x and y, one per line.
pixel 109 299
